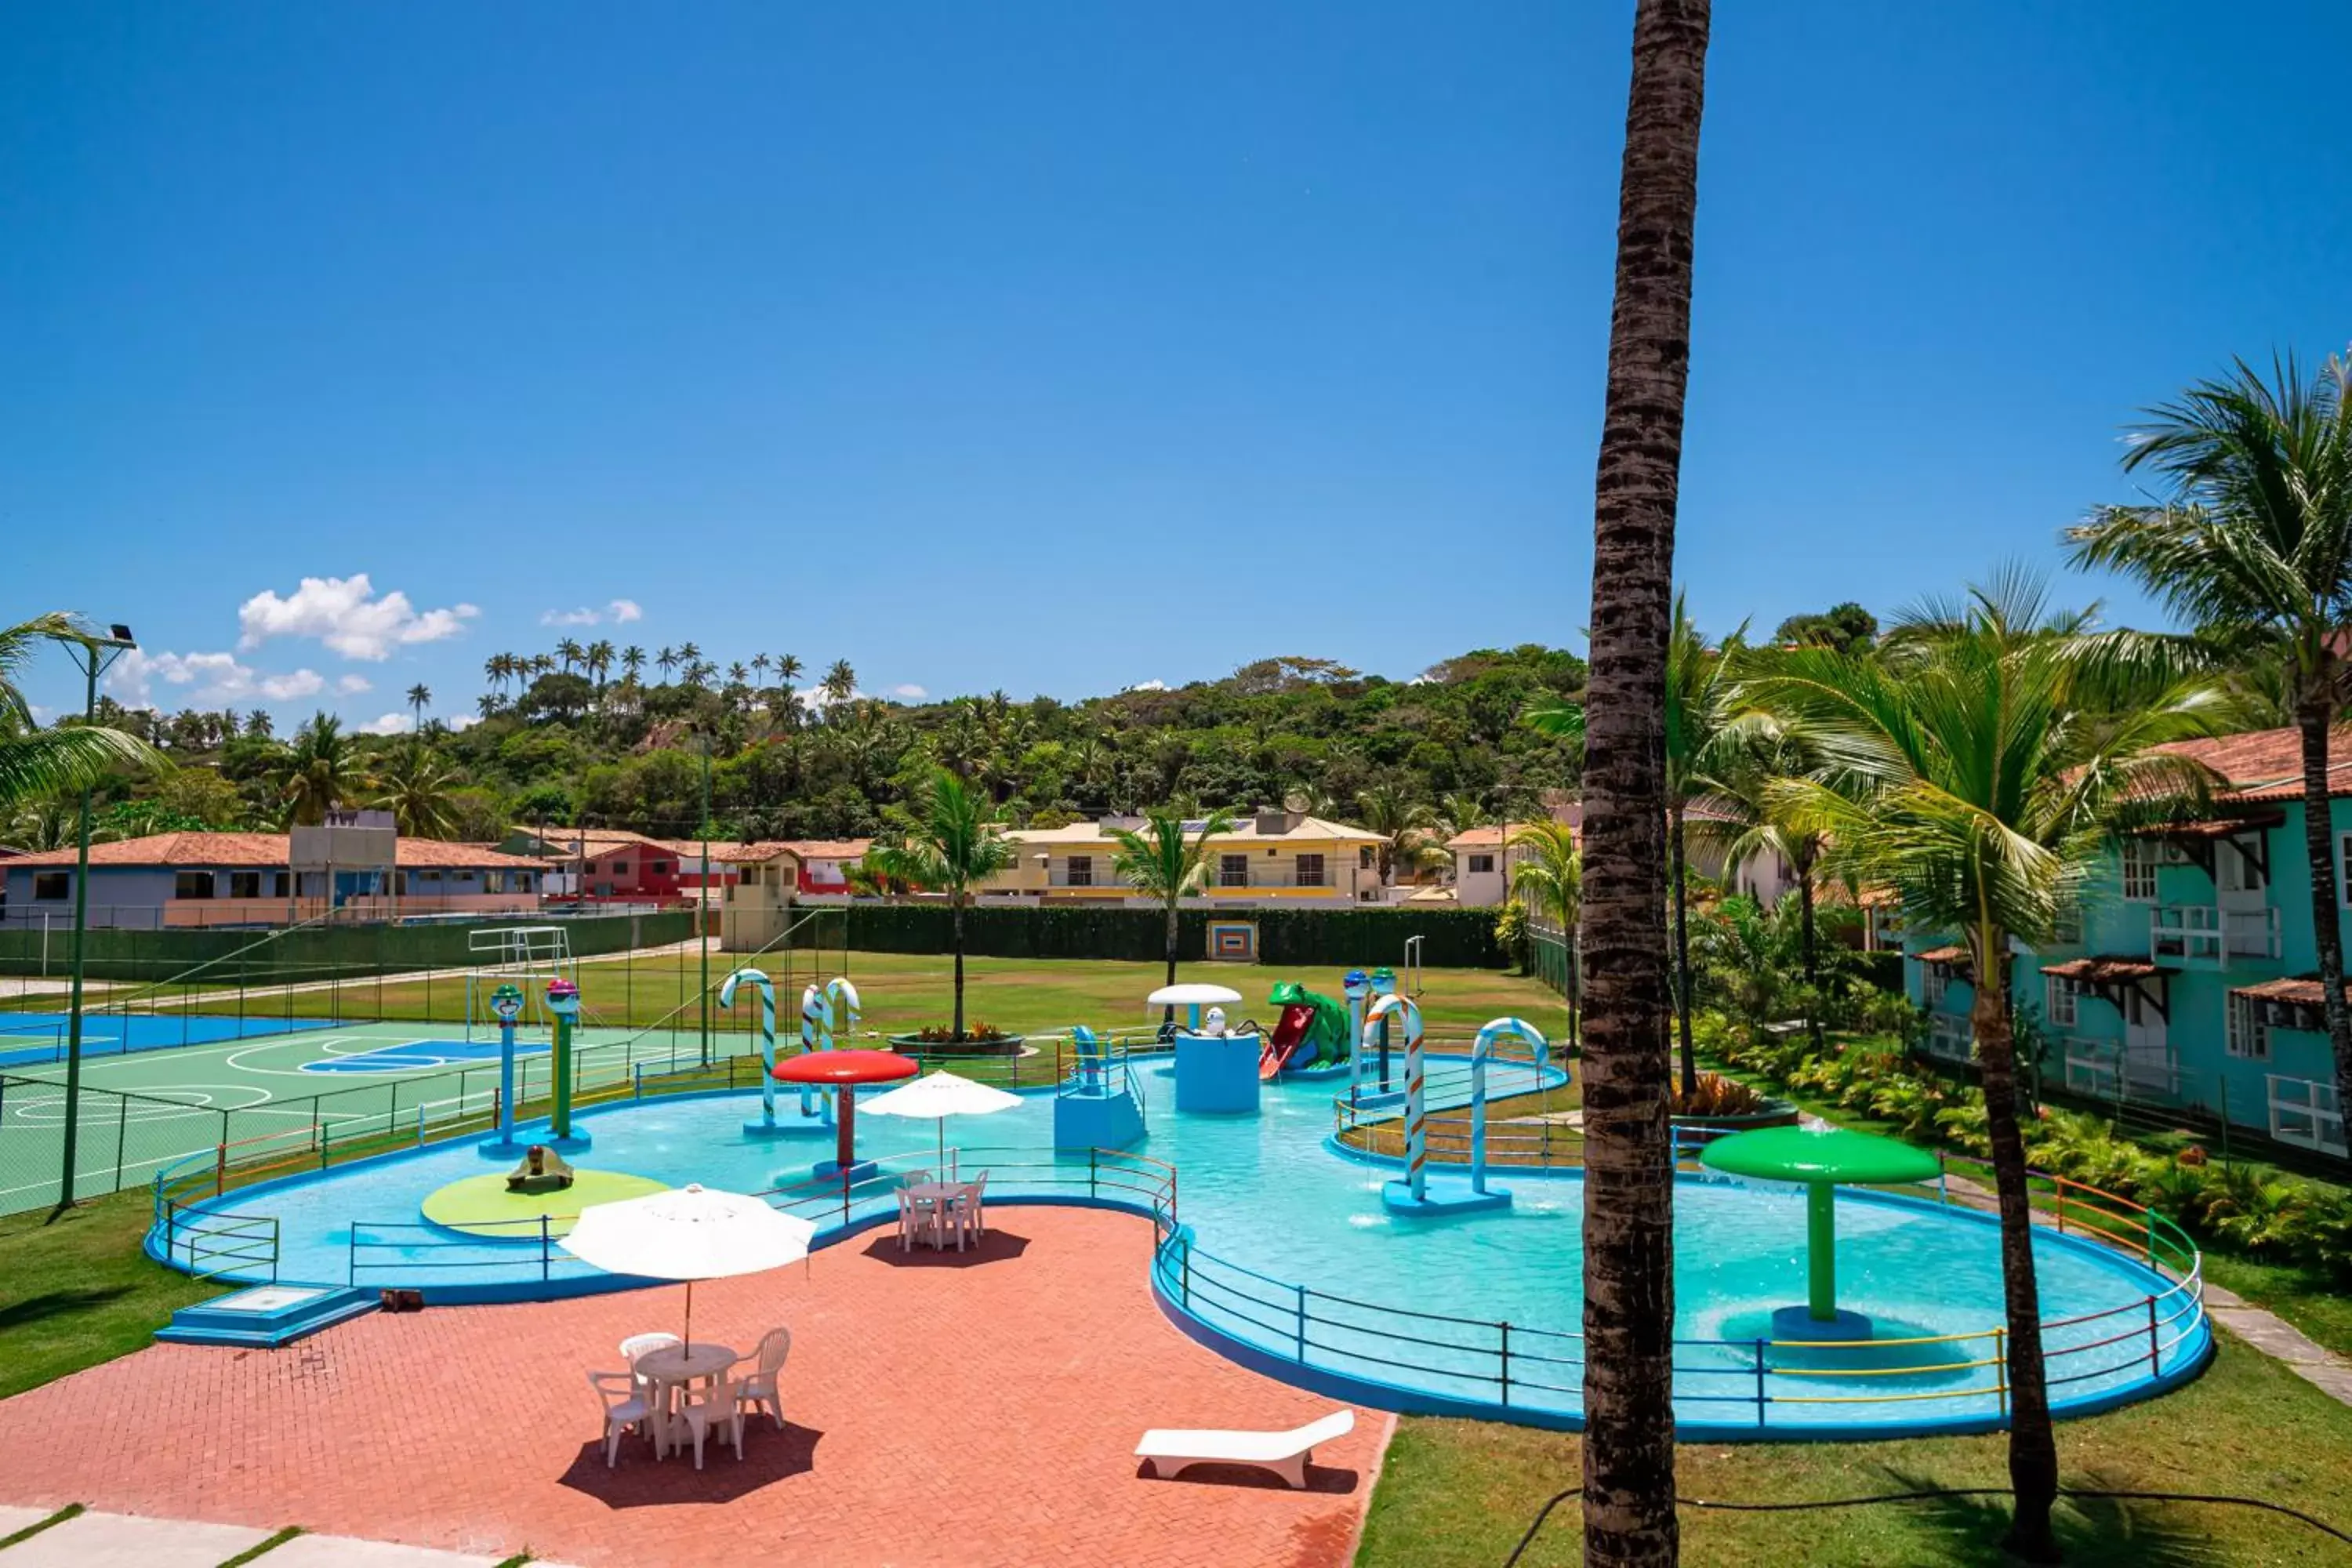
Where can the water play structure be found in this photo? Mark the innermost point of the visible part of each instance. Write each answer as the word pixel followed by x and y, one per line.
pixel 1312 1033
pixel 506 1002
pixel 1821 1159
pixel 843 1072
pixel 1215 1073
pixel 564 1005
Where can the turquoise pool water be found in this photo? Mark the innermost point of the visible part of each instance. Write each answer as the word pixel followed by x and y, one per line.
pixel 1293 1256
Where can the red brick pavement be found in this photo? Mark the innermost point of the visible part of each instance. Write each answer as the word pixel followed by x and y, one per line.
pixel 938 1414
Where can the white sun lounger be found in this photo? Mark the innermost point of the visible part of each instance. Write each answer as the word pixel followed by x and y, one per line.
pixel 1285 1452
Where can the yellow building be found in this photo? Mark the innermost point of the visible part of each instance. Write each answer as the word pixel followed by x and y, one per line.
pixel 776 876
pixel 1269 857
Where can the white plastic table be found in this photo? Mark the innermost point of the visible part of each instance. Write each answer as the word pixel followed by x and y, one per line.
pixel 674 1366
pixel 940 1195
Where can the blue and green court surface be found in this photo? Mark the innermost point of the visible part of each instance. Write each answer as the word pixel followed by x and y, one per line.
pixel 150 1106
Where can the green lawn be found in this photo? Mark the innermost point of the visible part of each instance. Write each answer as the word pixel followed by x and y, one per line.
pixel 1458 1494
pixel 77 1290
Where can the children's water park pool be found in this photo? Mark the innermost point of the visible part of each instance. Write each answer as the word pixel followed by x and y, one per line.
pixel 1279 1247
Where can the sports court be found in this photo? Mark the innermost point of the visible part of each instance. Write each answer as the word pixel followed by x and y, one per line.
pixel 313 1083
pixel 35 1039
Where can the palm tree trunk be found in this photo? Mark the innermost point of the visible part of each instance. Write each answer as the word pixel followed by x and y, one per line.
pixel 958 925
pixel 2033 1445
pixel 1682 953
pixel 1807 954
pixel 2314 719
pixel 1169 1015
pixel 1629 1219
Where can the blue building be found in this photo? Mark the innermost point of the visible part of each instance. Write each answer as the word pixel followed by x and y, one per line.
pixel 2188 979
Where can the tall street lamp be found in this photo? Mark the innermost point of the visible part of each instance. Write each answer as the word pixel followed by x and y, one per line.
pixel 94 656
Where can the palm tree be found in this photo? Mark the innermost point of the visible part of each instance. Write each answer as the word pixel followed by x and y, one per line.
pixel 949 843
pixel 570 651
pixel 1629 1223
pixel 1978 771
pixel 666 660
pixel 598 658
pixel 1549 880
pixel 840 682
pixel 319 771
pixel 2253 546
pixel 760 663
pixel 1408 825
pixel 1745 819
pixel 418 696
pixel 416 787
pixel 1160 861
pixel 632 659
pixel 259 724
pixel 68 758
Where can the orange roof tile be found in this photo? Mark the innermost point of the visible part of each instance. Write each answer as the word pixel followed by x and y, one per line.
pixel 263 849
pixel 2267 765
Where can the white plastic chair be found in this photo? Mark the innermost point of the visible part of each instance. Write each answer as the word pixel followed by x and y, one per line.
pixel 625 1407
pixel 715 1405
pixel 760 1389
pixel 977 1193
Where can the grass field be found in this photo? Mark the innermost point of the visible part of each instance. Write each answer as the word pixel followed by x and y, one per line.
pixel 1458 1494
pixel 903 992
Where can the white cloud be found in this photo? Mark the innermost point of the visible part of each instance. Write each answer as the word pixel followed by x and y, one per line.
pixel 1147 686
pixel 462 721
pixel 910 691
pixel 285 687
pixel 348 615
pixel 205 680
pixel 620 612
pixel 389 724
pixel 352 685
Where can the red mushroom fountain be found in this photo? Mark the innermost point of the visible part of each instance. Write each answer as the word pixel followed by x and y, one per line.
pixel 845 1071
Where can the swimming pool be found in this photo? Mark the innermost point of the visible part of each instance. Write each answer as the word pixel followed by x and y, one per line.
pixel 1281 1254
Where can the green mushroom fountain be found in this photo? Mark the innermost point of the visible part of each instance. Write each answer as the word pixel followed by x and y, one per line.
pixel 1822 1158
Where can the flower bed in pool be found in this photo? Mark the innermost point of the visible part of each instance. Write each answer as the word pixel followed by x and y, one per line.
pixel 1283 1257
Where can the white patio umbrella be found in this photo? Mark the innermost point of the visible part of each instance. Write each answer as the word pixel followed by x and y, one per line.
pixel 691 1233
pixel 937 1096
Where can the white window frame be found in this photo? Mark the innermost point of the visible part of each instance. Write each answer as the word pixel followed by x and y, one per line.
pixel 2247 1037
pixel 1482 864
pixel 1322 876
pixel 1935 979
pixel 2343 859
pixel 2140 859
pixel 1079 871
pixel 1233 871
pixel 2059 1002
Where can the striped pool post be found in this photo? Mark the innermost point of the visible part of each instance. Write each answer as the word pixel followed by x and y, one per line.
pixel 816 1034
pixel 767 1033
pixel 1416 1075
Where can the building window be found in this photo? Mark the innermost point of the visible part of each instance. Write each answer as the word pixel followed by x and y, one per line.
pixel 50 885
pixel 281 884
pixel 192 885
pixel 2249 1037
pixel 656 868
pixel 620 867
pixel 400 884
pixel 1232 871
pixel 1933 980
pixel 2139 870
pixel 2058 1001
pixel 1481 865
pixel 1082 871
pixel 244 884
pixel 2343 860
pixel 1366 858
pixel 1310 870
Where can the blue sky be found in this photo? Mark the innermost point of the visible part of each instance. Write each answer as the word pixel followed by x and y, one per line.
pixel 1061 347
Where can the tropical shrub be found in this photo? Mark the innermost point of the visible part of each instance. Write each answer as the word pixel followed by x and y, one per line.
pixel 1716 1095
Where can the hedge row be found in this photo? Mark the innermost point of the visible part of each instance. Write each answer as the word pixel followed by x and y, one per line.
pixel 1332 939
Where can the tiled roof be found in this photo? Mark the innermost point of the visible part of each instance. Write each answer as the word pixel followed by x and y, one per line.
pixel 2104 968
pixel 2302 988
pixel 2217 827
pixel 263 849
pixel 2267 765
pixel 1245 830
pixel 1953 954
pixel 174 849
pixel 798 849
pixel 596 840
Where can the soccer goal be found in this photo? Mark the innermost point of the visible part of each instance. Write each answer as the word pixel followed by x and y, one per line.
pixel 526 957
